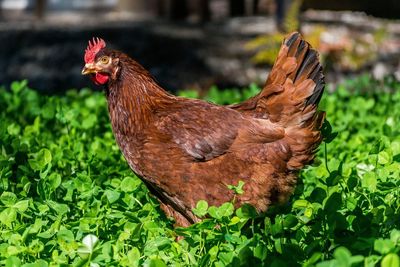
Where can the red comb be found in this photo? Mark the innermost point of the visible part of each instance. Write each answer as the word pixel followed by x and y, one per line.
pixel 93 48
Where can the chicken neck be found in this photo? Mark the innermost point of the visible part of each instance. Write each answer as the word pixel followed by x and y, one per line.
pixel 133 96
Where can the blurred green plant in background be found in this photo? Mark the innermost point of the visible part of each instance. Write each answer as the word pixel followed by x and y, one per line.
pixel 343 51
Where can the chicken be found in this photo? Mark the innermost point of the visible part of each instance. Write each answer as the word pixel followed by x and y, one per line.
pixel 186 150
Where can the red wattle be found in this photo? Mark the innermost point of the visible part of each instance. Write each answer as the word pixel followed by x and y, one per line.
pixel 99 78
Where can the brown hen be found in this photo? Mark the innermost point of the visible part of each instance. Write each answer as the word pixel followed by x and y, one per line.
pixel 186 150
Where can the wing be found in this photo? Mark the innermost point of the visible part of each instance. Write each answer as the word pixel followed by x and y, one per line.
pixel 205 131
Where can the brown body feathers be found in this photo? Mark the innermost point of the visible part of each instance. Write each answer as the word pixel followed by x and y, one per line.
pixel 186 150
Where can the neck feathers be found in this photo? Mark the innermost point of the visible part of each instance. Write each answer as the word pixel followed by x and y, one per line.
pixel 134 96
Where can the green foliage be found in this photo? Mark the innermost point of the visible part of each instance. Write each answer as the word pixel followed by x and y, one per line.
pixel 67 197
pixel 291 21
pixel 267 46
pixel 350 52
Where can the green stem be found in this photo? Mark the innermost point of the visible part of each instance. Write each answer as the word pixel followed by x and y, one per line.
pixel 326 158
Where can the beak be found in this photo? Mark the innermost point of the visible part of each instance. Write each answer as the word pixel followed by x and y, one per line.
pixel 89 68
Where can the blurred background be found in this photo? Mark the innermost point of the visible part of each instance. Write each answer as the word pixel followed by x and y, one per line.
pixel 195 44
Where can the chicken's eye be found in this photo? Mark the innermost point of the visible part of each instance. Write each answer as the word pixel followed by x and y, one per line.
pixel 104 60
